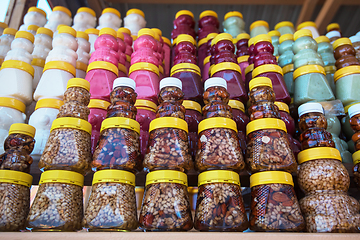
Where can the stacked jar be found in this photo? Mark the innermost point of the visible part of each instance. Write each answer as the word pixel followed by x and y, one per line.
pixel 275 35
pixel 192 117
pixel 333 32
pixel 219 158
pixel 354 114
pixel 83 54
pixel 285 27
pixel 285 60
pixel 208 23
pixel 250 68
pixel 242 53
pixel 128 45
pixel 311 26
pixel 124 63
pixel 234 23
pixel 259 27
pixel 205 72
pixel 5 44
pixel 159 53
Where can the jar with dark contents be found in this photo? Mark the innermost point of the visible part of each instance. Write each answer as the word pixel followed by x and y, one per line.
pixel 344 53
pixel 263 50
pixel 58 204
pixel 356 168
pixel 169 187
pixel 15 199
pixel 313 124
pixel 355 40
pixel 242 41
pixel 243 64
pixel 192 117
pixel 184 50
pixel 220 206
pixel 274 205
pixel 18 146
pixel 241 119
pixel 354 114
pixel 208 23
pixel 248 75
pixel 183 24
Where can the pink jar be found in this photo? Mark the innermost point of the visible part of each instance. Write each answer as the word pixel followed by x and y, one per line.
pixel 183 24
pixel 167 54
pixel 243 64
pixel 128 42
pixel 208 23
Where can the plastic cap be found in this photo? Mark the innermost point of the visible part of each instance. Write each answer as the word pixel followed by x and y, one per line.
pixel 192 105
pixel 146 31
pixel 224 66
pixel 68 30
pixel 353 110
pixel 242 36
pixel 346 108
pixel 87 10
pixel 215 82
pixel 168 122
pixel 167 176
pixel 284 24
pixel 15 177
pixel 98 103
pixel 170 82
pixel 46 31
pixel 340 42
pixel 282 107
pixel 266 68
pixel 302 33
pixel 92 31
pixel 108 31
pixel 218 176
pixel 306 24
pixel 3 25
pixel 38 10
pixel 26 35
pixel 111 10
pixel 208 13
pixel 62 9
pixel 134 37
pixel 78 82
pixel 62 176
pixel 262 38
pixel 157 31
pixel 82 35
pixel 237 105
pixel 288 68
pixel 322 39
pixel 274 33
pixel 319 153
pixel 145 103
pixel 184 12
pixel 49 103
pixel 308 69
pixel 345 71
pixel 114 176
pixel 103 65
pixel 270 177
pixel 23 129
pixel 71 122
pixel 185 38
pixel 124 82
pixel 221 37
pixel 332 26
pixel 249 68
pixel 217 122
pixel 354 39
pixel 10 31
pixel 233 14
pixel 144 66
pixel 258 24
pixel 167 41
pixel 310 107
pixel 32 28
pixel 120 122
pixel 12 103
pixel 207 59
pixel 332 34
pixel 135 11
pixel 286 37
pixel 211 36
pixel 265 123
pixel 356 157
pixel 260 81
pixel 124 30
pixel 59 26
pixel 243 58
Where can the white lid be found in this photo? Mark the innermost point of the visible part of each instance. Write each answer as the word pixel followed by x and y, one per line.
pixel 355 38
pixel 310 107
pixel 170 82
pixel 333 34
pixel 215 81
pixel 124 82
pixel 358 33
pixel 353 110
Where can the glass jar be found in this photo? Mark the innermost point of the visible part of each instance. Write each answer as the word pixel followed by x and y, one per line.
pixel 241 119
pixel 18 146
pixel 274 206
pixel 112 202
pixel 218 146
pixel 355 40
pixel 344 53
pixel 170 187
pixel 233 23
pixel 285 50
pixel 310 26
pixel 285 27
pixel 259 27
pixel 288 71
pixel 347 81
pixel 58 204
pixel 310 84
pixel 192 117
pixel 275 35
pixel 243 64
pixel 220 206
pixel 15 199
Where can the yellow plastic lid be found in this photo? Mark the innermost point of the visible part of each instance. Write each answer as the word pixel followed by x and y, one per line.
pixel 265 123
pixel 167 41
pixel 114 176
pixel 192 105
pixel 249 68
pixel 332 26
pixel 237 105
pixel 71 122
pixel 168 122
pixel 144 66
pixel 49 103
pixel 145 103
pixel 340 42
pixel 225 66
pixel 322 39
pixel 208 13
pixel 92 31
pixel 193 190
pixel 120 122
pixel 286 37
pixel 10 31
pixel 38 10
pixel 32 28
pixel 15 177
pixel 166 176
pixel 124 30
pixel 46 31
pixel 262 38
pixel 267 68
pixel 207 59
pixel 202 41
pixel 302 33
pixel 330 69
pixel 185 38
pixel 62 9
pixel 308 69
pixel 18 65
pixel 217 122
pixel 157 31
pixel 136 11
pixel 157 37
pixel 134 37
pixel 120 35
pixel 284 24
pixel 318 153
pixel 82 35
pixel 260 81
pixel 306 24
pixel 103 65
pixel 62 176
pixel 274 33
pixel 108 31
pixel 211 36
pixel 282 107
pixel 184 12
pixel 270 177
pixel 244 58
pixel 146 31
pixel 12 103
pixel 98 103
pixel 185 67
pixel 68 30
pixel 356 157
pixel 59 26
pixel 23 129
pixel 259 23
pixel 233 14
pixel 345 71
pixel 221 37
pixel 87 10
pixel 3 25
pixel 81 66
pixel 111 10
pixel 288 68
pixel 346 108
pixel 218 176
pixel 26 35
pixel 78 82
pixel 242 36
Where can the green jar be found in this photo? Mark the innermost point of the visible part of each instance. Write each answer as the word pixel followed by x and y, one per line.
pixel 288 71
pixel 259 27
pixel 285 27
pixel 325 50
pixel 285 50
pixel 275 35
pixel 347 81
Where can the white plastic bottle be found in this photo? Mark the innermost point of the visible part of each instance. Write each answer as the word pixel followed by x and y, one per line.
pixel 85 18
pixel 83 54
pixel 2 27
pixel 32 29
pixel 16 73
pixel 45 113
pixel 59 15
pixel 5 42
pixel 11 111
pixel 134 20
pixel 93 35
pixel 34 16
pixel 59 65
pixel 111 18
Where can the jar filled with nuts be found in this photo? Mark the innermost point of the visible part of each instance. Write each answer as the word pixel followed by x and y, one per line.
pixel 112 203
pixel 262 98
pixel 313 124
pixel 166 205
pixel 274 206
pixel 220 206
pixel 18 146
pixel 239 116
pixel 268 147
pixel 15 199
pixel 118 146
pixel 325 181
pixel 58 204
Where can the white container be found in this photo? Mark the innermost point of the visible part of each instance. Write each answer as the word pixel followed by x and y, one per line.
pixel 110 18
pixel 311 26
pixel 93 35
pixel 83 54
pixel 34 16
pixel 134 20
pixel 32 29
pixel 59 15
pixel 85 18
pixel 45 113
pixel 5 42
